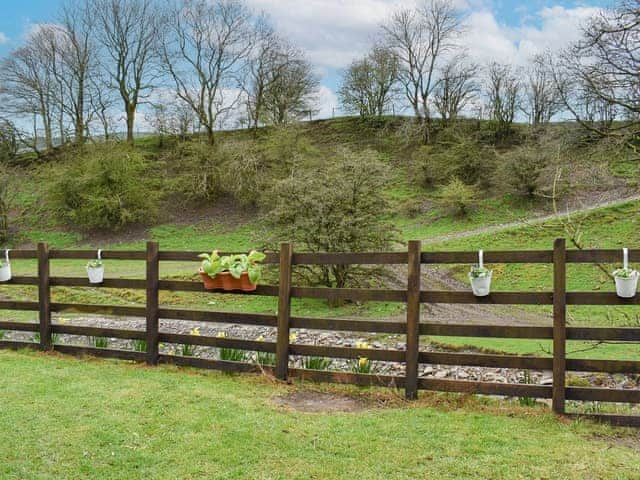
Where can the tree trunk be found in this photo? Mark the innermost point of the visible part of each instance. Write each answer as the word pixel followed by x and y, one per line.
pixel 211 139
pixel 131 118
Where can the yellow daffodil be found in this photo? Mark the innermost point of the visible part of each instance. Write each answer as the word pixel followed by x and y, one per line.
pixel 363 361
pixel 292 337
pixel 221 335
pixel 62 321
pixel 196 332
pixel 260 338
pixel 362 345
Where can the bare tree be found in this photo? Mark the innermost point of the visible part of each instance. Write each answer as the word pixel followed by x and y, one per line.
pixel 598 76
pixel 457 87
pixel 203 50
pixel 128 31
pixel 503 93
pixel 77 51
pixel 290 95
pixel 27 84
pixel 102 101
pixel 262 70
pixel 367 85
pixel 420 38
pixel 541 98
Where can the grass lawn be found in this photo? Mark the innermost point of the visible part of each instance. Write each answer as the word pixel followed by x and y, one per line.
pixel 64 418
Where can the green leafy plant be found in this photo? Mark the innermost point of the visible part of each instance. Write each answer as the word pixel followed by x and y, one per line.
pixel 2 334
pixel 95 263
pixel 316 363
pixel 265 358
pixel 479 272
pixel 140 345
pixel 232 355
pixel 625 273
pixel 100 342
pixel 55 338
pixel 526 401
pixel 236 265
pixel 361 364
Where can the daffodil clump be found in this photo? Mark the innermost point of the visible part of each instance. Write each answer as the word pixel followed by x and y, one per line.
pixel 265 358
pixel 361 364
pixel 190 350
pixel 231 354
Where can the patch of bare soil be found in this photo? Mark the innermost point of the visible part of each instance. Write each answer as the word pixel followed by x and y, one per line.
pixel 319 402
pixel 631 440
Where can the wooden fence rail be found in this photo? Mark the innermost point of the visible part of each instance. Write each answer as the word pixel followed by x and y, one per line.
pixel 413 295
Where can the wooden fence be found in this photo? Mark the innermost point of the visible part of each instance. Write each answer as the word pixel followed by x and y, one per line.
pixel 413 296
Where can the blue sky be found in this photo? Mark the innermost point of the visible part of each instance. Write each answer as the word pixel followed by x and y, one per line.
pixel 334 32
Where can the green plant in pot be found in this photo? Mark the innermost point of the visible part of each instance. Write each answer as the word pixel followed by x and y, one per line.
pixel 231 272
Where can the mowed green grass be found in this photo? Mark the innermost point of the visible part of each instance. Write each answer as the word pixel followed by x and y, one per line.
pixel 64 418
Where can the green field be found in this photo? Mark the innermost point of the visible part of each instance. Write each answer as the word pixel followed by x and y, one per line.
pixel 63 418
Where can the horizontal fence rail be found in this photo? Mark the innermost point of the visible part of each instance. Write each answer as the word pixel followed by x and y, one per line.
pixel 282 321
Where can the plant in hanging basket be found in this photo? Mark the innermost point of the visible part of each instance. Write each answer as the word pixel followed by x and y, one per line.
pixel 231 272
pixel 95 270
pixel 480 278
pixel 626 282
pixel 5 271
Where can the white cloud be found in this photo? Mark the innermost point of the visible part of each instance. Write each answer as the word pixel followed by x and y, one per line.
pixel 332 32
pixel 326 102
pixel 3 38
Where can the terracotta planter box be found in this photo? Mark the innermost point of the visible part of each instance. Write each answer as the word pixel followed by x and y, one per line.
pixel 225 281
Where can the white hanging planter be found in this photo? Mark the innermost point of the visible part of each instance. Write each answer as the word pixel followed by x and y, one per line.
pixel 626 278
pixel 5 268
pixel 95 269
pixel 480 277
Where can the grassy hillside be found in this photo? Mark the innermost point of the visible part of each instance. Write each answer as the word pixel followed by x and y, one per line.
pixel 69 418
pixel 225 220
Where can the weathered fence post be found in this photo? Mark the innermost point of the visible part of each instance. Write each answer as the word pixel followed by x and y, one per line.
pixel 153 301
pixel 284 311
pixel 44 296
pixel 413 320
pixel 559 324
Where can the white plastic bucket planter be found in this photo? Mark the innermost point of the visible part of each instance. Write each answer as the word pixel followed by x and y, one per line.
pixel 5 270
pixel 96 274
pixel 627 286
pixel 481 286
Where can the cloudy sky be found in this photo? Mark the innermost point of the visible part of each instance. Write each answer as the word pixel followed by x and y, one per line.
pixel 334 32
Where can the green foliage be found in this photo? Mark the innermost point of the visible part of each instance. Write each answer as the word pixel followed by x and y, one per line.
pixel 100 342
pixel 8 141
pixel 5 204
pixel 456 155
pixel 139 345
pixel 232 355
pixel 527 401
pixel 265 358
pixel 625 273
pixel 108 187
pixel 479 272
pixel 95 263
pixel 195 169
pixel 458 198
pixel 316 363
pixel 187 350
pixel 2 333
pixel 524 170
pixel 213 264
pixel 338 207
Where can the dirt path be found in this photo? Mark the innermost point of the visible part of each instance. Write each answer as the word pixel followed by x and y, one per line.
pixel 438 278
pixel 535 220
